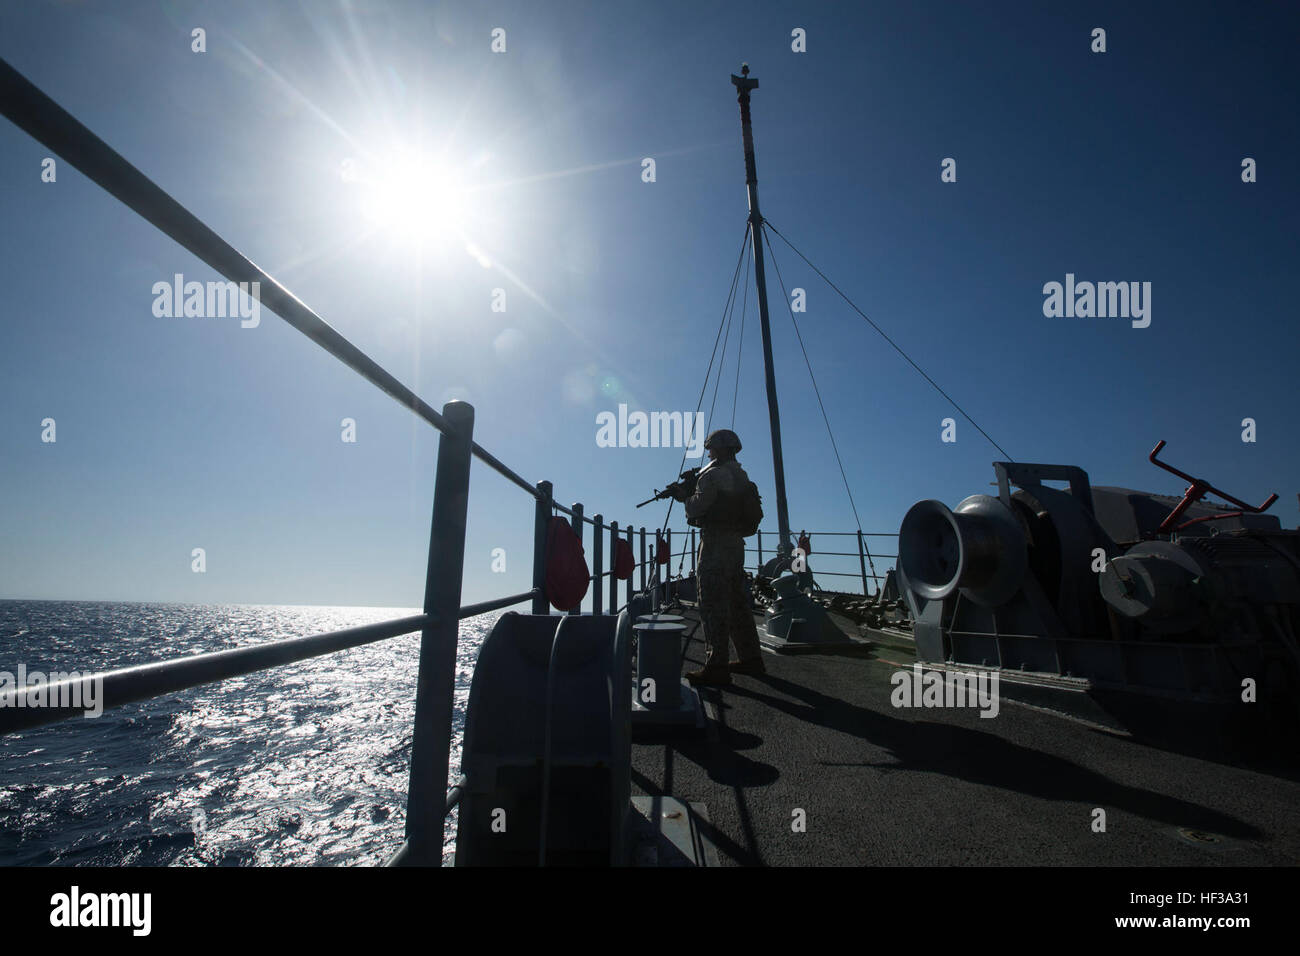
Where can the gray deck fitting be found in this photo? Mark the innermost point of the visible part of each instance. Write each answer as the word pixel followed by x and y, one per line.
pixel 1066 697
pixel 810 637
pixel 802 625
pixel 665 832
pixel 778 645
pixel 689 714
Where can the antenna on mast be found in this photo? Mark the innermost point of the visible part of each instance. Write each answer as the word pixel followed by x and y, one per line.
pixel 744 85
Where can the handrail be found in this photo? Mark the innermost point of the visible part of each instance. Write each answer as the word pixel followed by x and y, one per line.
pixel 845 534
pixel 143 681
pixel 847 574
pixel 836 554
pixel 474 610
pixel 864 555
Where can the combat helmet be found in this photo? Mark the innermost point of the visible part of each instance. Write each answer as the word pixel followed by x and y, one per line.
pixel 723 439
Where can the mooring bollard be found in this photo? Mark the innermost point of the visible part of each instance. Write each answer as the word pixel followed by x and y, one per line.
pixel 658 662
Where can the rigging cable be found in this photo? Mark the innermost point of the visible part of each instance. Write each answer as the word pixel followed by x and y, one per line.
pixel 726 313
pixel 722 362
pixel 889 340
pixel 817 392
pixel 726 337
pixel 740 350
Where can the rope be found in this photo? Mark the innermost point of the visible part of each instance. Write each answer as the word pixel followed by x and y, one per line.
pixel 892 343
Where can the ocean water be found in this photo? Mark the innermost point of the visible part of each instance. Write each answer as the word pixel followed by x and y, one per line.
pixel 300 765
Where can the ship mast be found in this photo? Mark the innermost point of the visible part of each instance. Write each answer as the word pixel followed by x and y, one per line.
pixel 743 85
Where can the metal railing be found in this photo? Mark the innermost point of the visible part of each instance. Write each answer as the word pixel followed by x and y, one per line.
pixel 864 555
pixel 48 123
pixel 428 800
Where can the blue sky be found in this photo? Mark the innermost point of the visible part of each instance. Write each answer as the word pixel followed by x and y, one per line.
pixel 177 433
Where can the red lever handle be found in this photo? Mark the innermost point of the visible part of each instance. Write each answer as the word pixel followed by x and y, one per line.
pixel 1199 488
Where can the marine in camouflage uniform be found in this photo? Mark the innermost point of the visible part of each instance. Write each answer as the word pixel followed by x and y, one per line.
pixel 716 507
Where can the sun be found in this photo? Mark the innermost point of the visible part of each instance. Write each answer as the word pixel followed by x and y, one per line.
pixel 415 199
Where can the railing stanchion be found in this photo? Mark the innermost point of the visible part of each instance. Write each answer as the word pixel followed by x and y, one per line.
pixel 692 550
pixel 663 578
pixel 576 521
pixel 643 559
pixel 613 578
pixel 436 683
pixel 862 560
pixel 597 559
pixel 541 516
pixel 630 585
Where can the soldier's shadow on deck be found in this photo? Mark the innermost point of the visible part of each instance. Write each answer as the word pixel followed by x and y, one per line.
pixel 985 758
pixel 718 754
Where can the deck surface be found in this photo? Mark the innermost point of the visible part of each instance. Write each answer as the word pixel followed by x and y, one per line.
pixel 881 786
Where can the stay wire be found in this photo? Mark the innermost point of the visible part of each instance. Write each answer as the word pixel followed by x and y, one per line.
pixel 722 364
pixel 817 392
pixel 892 343
pixel 726 312
pixel 740 350
pixel 717 382
pixel 722 361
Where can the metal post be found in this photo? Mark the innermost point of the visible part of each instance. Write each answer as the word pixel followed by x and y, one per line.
pixel 577 529
pixel 692 550
pixel 643 560
pixel 613 556
pixel 630 533
pixel 597 560
pixel 436 683
pixel 862 560
pixel 664 578
pixel 541 517
pixel 743 85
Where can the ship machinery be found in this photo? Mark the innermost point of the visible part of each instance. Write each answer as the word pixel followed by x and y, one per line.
pixel 1126 596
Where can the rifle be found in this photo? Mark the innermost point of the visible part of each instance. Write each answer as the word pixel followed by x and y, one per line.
pixel 685 483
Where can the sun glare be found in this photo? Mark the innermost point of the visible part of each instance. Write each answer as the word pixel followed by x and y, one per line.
pixel 415 199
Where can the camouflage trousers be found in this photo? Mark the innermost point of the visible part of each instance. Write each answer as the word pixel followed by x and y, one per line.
pixel 724 600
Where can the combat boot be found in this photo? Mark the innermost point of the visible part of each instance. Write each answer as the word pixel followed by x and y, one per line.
pixel 710 676
pixel 752 666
